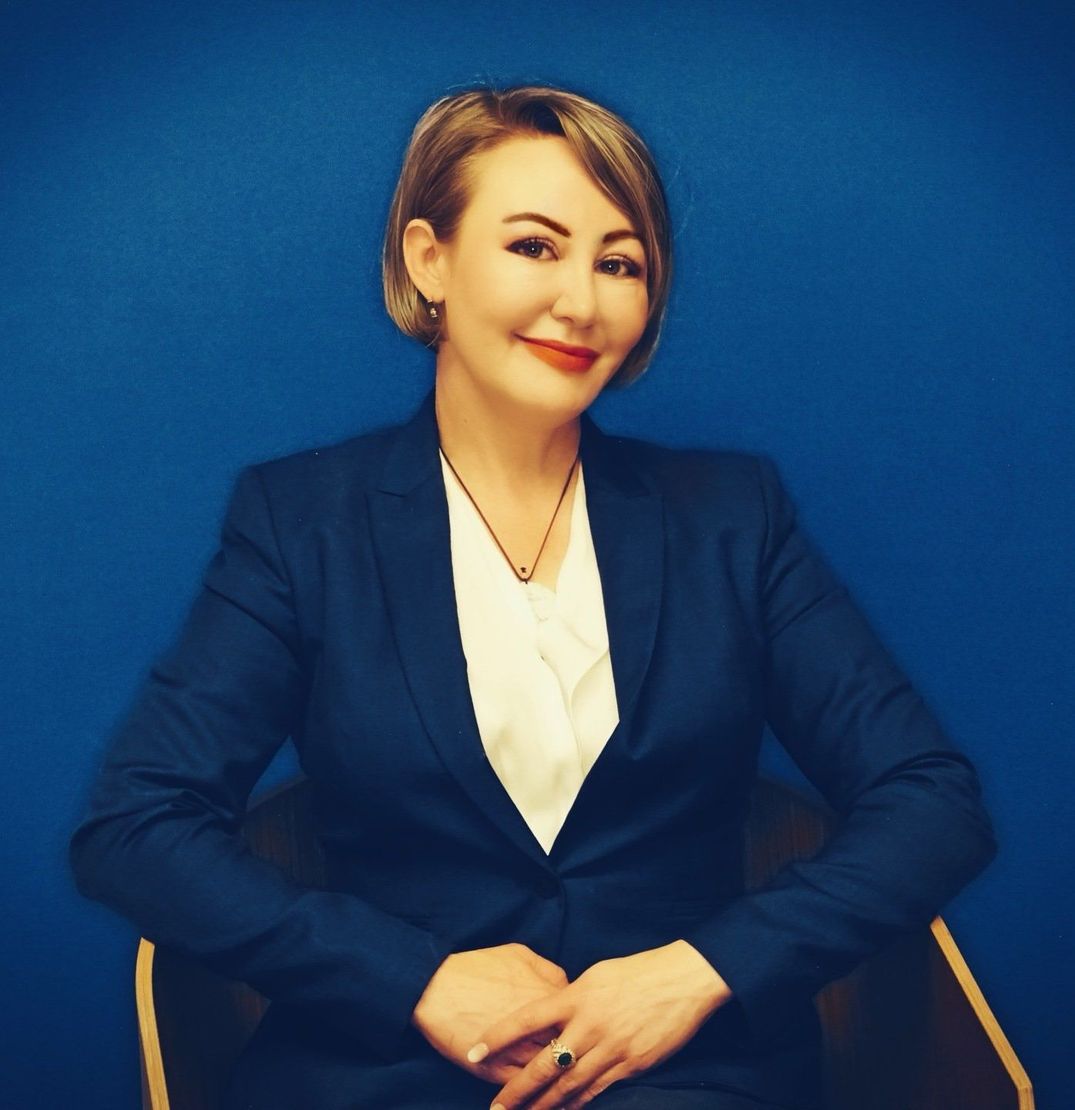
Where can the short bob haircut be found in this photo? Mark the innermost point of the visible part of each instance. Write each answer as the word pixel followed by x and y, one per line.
pixel 433 186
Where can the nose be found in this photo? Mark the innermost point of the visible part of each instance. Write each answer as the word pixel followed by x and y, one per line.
pixel 576 301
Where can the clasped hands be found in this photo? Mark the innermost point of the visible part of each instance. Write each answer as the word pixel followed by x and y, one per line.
pixel 493 1011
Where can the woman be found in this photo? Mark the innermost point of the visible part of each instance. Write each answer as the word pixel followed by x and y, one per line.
pixel 526 666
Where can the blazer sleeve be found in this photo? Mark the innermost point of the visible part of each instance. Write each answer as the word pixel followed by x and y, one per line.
pixel 161 840
pixel 913 830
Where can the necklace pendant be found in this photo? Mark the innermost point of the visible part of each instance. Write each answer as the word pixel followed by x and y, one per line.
pixel 489 527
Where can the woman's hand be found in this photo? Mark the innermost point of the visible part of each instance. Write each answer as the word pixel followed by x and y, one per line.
pixel 620 1017
pixel 470 991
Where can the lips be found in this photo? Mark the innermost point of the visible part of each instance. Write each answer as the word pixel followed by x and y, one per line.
pixel 564 356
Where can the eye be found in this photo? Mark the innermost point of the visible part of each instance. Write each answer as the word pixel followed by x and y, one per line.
pixel 620 266
pixel 617 265
pixel 530 248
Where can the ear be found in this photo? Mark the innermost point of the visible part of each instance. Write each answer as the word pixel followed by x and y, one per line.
pixel 425 258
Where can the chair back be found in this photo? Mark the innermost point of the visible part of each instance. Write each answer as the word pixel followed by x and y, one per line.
pixel 908 1030
pixel 193 1023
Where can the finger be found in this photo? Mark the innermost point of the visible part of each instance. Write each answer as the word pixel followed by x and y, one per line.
pixel 543 1075
pixel 599 1087
pixel 526 1021
pixel 519 1054
pixel 579 1083
pixel 501 1074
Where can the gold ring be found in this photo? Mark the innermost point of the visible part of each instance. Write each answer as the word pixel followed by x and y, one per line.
pixel 563 1055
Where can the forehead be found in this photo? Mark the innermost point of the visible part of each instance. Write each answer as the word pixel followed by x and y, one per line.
pixel 539 174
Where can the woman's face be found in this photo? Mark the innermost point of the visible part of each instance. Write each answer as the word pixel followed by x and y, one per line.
pixel 541 254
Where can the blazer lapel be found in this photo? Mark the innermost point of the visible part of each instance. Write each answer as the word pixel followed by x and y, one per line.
pixel 627 524
pixel 412 537
pixel 626 514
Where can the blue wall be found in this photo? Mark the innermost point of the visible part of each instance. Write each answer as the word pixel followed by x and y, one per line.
pixel 873 208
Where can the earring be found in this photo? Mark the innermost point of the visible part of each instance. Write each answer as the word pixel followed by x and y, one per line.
pixel 433 313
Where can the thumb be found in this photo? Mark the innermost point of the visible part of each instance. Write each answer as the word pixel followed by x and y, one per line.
pixel 539 962
pixel 552 973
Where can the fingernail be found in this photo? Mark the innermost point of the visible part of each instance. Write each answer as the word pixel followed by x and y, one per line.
pixel 476 1055
pixel 497 1106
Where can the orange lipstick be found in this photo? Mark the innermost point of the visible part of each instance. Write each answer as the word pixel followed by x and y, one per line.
pixel 562 356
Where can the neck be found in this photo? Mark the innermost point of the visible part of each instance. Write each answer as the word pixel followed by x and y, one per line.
pixel 515 448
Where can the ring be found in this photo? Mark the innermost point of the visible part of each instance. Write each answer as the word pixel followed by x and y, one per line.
pixel 563 1055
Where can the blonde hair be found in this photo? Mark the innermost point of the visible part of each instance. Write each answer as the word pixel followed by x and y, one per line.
pixel 433 186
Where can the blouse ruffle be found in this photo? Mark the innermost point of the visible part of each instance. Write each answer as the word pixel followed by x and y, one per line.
pixel 538 663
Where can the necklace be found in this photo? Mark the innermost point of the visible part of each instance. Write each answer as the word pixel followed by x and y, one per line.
pixel 524 576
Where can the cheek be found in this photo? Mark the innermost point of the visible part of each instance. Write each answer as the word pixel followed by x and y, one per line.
pixel 629 312
pixel 501 291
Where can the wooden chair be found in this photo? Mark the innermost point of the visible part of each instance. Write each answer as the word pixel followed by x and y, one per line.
pixel 908 1030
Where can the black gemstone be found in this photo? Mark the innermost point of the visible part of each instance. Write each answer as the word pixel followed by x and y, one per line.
pixel 564 1059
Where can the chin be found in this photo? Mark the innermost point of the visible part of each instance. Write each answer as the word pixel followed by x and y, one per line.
pixel 561 394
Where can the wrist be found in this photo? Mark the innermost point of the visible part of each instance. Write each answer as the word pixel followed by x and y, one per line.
pixel 422 1005
pixel 707 983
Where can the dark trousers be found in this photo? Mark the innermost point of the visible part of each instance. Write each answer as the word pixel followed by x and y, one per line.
pixel 650 1098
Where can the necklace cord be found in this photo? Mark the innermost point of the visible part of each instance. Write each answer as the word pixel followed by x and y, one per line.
pixel 489 527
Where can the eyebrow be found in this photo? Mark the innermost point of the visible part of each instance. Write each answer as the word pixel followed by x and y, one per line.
pixel 537 217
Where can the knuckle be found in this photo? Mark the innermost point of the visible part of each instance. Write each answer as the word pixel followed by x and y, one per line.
pixel 638 1051
pixel 510 1097
pixel 550 1068
pixel 587 1096
pixel 568 1088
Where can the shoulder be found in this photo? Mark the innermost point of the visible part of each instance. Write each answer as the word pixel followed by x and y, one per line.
pixel 697 476
pixel 320 482
pixel 734 499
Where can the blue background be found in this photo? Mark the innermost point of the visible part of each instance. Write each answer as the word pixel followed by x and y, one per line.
pixel 874 221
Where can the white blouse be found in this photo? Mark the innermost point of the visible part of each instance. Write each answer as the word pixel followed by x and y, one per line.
pixel 538 663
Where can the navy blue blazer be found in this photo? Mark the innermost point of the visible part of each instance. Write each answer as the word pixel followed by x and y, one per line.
pixel 328 615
